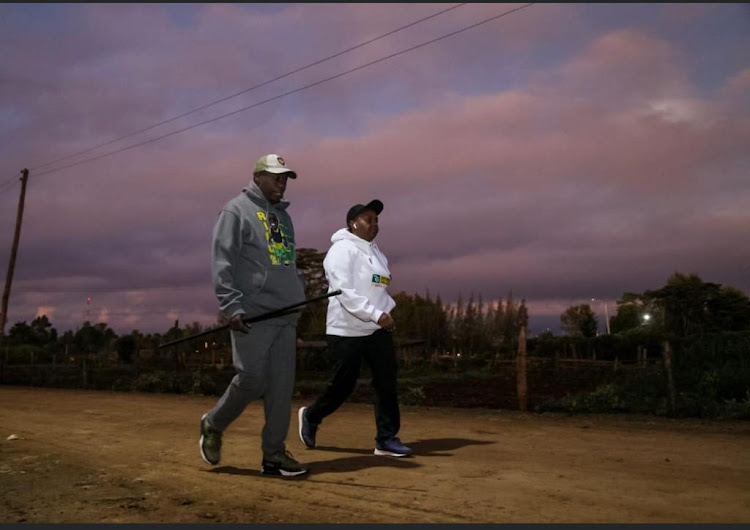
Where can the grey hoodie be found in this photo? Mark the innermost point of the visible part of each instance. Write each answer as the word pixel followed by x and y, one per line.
pixel 253 263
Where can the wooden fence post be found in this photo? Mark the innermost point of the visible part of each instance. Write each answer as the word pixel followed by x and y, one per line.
pixel 521 370
pixel 85 375
pixel 667 352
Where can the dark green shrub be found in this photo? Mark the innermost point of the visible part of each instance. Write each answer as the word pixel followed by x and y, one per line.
pixel 414 395
pixel 203 383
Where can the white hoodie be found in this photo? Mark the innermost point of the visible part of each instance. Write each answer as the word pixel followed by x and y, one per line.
pixel 360 270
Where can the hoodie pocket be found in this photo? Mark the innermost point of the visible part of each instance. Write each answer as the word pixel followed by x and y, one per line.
pixel 258 281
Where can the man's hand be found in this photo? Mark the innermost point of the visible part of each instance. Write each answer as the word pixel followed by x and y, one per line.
pixel 386 322
pixel 237 324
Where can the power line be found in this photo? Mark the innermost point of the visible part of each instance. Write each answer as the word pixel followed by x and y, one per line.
pixel 202 107
pixel 8 184
pixel 305 87
pixel 7 188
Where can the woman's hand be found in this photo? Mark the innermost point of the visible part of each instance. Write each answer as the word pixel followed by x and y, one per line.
pixel 386 322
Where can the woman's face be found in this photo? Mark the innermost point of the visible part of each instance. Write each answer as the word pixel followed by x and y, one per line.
pixel 365 225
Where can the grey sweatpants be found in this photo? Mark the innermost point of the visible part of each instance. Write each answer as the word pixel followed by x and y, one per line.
pixel 265 361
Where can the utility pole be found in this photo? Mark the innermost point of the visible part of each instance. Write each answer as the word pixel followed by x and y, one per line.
pixel 14 250
pixel 606 315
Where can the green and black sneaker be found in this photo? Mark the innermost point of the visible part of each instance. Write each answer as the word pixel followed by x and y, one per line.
pixel 210 442
pixel 282 464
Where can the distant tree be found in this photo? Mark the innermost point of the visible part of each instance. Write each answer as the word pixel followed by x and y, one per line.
pixel 510 321
pixel 691 306
pixel 456 324
pixel 579 321
pixel 43 332
pixel 480 333
pixel 149 341
pixel 630 310
pixel 438 336
pixel 729 309
pixel 522 315
pixel 403 315
pixel 193 345
pixel 312 321
pixel 173 333
pixel 125 347
pixel 97 338
pixel 496 324
pixel 67 342
pixel 468 328
pixel 20 333
pixel 420 317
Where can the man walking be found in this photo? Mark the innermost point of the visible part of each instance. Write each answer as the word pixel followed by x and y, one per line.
pixel 254 271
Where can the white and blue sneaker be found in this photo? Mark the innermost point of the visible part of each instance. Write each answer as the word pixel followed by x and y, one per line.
pixel 306 429
pixel 391 447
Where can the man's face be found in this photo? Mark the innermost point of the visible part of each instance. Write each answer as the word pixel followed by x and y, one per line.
pixel 272 186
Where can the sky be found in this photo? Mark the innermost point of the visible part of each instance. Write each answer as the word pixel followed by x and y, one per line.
pixel 562 152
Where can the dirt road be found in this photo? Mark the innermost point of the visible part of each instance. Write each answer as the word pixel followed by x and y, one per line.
pixel 81 456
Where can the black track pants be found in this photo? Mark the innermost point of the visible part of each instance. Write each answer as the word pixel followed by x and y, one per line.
pixel 379 353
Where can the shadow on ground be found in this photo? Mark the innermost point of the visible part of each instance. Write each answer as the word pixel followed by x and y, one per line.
pixel 440 446
pixel 232 470
pixel 430 447
pixel 339 465
pixel 365 459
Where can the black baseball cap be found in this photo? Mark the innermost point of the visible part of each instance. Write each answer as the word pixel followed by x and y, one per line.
pixel 374 205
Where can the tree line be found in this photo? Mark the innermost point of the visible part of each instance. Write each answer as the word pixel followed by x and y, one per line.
pixel 685 306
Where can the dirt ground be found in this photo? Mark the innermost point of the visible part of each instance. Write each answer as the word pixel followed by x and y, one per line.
pixel 84 456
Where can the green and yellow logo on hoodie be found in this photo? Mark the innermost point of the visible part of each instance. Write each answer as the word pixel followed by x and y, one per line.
pixel 280 244
pixel 381 280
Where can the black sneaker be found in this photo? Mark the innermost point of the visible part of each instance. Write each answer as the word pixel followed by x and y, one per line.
pixel 210 442
pixel 307 430
pixel 282 464
pixel 391 447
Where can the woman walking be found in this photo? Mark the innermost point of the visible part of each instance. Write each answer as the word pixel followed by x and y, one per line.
pixel 359 326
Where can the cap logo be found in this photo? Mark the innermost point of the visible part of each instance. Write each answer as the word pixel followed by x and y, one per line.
pixel 281 160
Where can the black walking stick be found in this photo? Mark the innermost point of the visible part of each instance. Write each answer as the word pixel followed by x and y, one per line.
pixel 265 316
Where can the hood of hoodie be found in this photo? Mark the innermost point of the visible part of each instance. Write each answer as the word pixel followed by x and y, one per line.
pixel 253 191
pixel 344 234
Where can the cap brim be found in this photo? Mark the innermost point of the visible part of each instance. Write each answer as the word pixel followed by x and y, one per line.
pixel 279 170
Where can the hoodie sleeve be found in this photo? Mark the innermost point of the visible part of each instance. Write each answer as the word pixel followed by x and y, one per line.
pixel 339 265
pixel 227 239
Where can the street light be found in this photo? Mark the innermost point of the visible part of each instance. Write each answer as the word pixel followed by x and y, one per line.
pixel 646 318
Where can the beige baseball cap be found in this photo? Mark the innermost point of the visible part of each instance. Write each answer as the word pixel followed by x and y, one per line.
pixel 273 164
